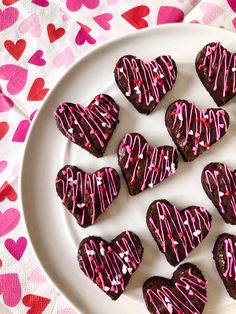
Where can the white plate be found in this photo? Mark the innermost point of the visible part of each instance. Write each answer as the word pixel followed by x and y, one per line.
pixel 54 233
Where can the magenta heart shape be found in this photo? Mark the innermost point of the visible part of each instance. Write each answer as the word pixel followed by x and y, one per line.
pixel 10 289
pixel 16 77
pixel 84 36
pixel 232 4
pixel 37 59
pixel 8 220
pixel 8 17
pixel 41 3
pixel 75 5
pixel 16 249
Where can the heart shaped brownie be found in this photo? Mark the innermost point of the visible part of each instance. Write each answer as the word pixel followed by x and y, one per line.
pixel 111 265
pixel 219 183
pixel 86 195
pixel 185 293
pixel 224 254
pixel 194 131
pixel 145 84
pixel 89 127
pixel 216 68
pixel 144 166
pixel 176 232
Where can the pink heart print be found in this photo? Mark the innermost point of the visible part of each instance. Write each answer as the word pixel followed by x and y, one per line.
pixel 64 58
pixel 3 165
pixel 169 14
pixel 16 249
pixel 8 17
pixel 5 102
pixel 10 289
pixel 8 220
pixel 212 12
pixel 103 20
pixel 75 5
pixel 83 36
pixel 16 77
pixel 21 131
pixel 37 59
pixel 31 24
pixel 37 276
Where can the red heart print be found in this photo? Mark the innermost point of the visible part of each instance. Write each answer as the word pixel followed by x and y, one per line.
pixel 54 33
pixel 15 49
pixel 9 2
pixel 83 36
pixel 169 14
pixel 37 59
pixel 4 127
pixel 73 5
pixel 37 92
pixel 36 303
pixel 16 249
pixel 7 191
pixel 103 20
pixel 135 16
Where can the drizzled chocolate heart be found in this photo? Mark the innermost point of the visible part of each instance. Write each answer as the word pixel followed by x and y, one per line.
pixel 144 166
pixel 145 84
pixel 111 265
pixel 224 254
pixel 86 195
pixel 89 127
pixel 216 68
pixel 219 183
pixel 185 293
pixel 194 131
pixel 176 232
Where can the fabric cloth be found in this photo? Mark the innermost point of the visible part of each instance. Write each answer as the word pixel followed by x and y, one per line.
pixel 39 40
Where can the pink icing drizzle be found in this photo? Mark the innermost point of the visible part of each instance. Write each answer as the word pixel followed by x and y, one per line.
pixel 223 61
pixel 229 185
pixel 187 287
pixel 179 223
pixel 152 78
pixel 186 114
pixel 118 262
pixel 83 188
pixel 230 259
pixel 98 117
pixel 159 165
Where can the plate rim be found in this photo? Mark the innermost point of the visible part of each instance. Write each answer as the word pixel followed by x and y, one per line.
pixel 93 50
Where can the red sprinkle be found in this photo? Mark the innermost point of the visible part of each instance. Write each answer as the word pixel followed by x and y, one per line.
pixel 87 144
pixel 102 189
pixel 122 145
pixel 157 169
pixel 181 234
pixel 227 193
pixel 132 160
pixel 132 69
pixel 140 82
pixel 72 123
pixel 173 113
pixel 133 182
pixel 102 174
pixel 180 312
pixel 87 192
pixel 226 88
pixel 170 235
pixel 106 135
pixel 102 266
pixel 149 152
pixel 135 81
pixel 117 66
pixel 212 72
pixel 197 141
pixel 98 280
pixel 199 68
pixel 97 270
pixel 72 110
pixel 161 156
pixel 151 300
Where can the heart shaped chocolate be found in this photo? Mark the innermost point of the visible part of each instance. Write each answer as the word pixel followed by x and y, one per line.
pixel 224 254
pixel 86 195
pixel 194 131
pixel 145 84
pixel 89 127
pixel 216 68
pixel 185 293
pixel 219 183
pixel 111 265
pixel 176 232
pixel 144 166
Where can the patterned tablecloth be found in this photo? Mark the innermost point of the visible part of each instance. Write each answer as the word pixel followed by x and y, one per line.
pixel 39 40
